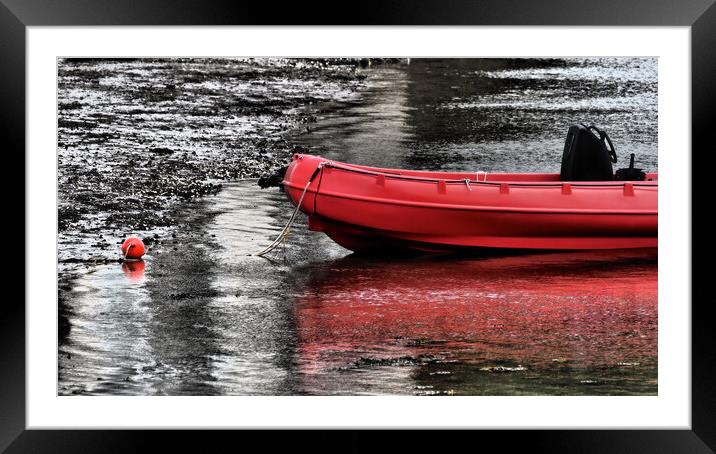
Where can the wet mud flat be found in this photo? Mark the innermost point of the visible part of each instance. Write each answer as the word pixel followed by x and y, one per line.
pixel 137 136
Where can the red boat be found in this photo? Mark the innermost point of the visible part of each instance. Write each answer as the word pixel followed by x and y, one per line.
pixel 368 208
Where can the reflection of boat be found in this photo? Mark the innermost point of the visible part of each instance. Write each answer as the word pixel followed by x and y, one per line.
pixel 364 208
pixel 584 308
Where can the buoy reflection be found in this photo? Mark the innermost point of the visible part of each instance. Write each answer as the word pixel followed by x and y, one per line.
pixel 134 271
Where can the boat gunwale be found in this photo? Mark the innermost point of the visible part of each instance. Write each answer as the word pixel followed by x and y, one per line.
pixel 485 208
pixel 385 172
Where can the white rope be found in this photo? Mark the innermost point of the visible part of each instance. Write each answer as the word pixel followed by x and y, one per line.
pixel 126 253
pixel 284 233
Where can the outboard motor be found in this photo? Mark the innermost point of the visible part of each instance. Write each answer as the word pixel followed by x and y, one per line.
pixel 586 156
pixel 630 173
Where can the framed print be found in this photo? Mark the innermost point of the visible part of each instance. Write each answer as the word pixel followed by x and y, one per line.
pixel 406 218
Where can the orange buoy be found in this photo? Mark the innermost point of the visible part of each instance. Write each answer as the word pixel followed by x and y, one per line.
pixel 133 248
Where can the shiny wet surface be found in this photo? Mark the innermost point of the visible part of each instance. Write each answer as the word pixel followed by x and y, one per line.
pixel 201 316
pixel 494 115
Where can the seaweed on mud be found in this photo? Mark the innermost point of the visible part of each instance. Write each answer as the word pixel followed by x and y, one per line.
pixel 74 105
pixel 155 94
pixel 67 215
pixel 272 179
pixel 138 136
pixel 75 124
pixel 401 361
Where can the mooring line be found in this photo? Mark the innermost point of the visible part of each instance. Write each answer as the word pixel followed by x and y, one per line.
pixel 284 232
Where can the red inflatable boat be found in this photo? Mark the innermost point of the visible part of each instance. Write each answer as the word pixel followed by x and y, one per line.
pixel 368 208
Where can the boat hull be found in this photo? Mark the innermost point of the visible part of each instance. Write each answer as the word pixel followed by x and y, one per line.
pixel 367 209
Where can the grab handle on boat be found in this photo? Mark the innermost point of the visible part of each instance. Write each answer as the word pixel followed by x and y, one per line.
pixel 442 187
pixel 604 137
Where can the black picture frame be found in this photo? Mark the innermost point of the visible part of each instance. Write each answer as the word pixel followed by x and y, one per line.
pixel 700 15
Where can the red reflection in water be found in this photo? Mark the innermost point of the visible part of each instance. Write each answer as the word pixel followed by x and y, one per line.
pixel 134 271
pixel 584 309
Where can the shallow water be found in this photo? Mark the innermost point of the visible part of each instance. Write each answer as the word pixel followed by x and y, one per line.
pixel 202 316
pixel 494 115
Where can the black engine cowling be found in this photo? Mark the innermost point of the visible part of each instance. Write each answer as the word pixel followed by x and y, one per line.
pixel 586 156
